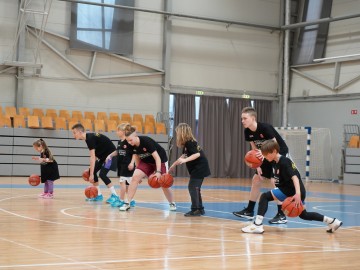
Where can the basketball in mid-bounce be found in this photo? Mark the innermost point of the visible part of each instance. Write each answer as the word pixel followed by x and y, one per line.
pixel 166 180
pixel 289 208
pixel 91 192
pixel 153 181
pixel 252 160
pixel 86 174
pixel 34 180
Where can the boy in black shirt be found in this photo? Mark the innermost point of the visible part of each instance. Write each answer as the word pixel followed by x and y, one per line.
pixel 100 147
pixel 288 184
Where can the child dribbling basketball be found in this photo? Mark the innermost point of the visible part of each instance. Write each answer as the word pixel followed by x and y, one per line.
pixel 196 163
pixel 288 184
pixel 48 167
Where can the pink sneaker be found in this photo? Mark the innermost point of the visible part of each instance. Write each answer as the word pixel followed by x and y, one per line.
pixel 42 195
pixel 48 196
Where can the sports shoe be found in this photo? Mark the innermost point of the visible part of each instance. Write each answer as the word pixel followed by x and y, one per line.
pixel 334 225
pixel 253 228
pixel 124 207
pixel 42 195
pixel 195 213
pixel 245 213
pixel 132 203
pixel 172 207
pixel 117 203
pixel 278 219
pixel 48 196
pixel 112 198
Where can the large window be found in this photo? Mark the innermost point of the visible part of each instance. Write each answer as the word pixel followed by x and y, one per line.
pixel 101 28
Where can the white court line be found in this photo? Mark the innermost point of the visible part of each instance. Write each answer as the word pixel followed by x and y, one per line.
pixel 337 206
pixel 169 258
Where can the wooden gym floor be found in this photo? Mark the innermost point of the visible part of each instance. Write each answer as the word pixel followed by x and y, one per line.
pixel 69 233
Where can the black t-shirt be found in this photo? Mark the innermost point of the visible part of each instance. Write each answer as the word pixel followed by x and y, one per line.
pixel 103 145
pixel 198 168
pixel 265 132
pixel 125 152
pixel 283 171
pixel 145 149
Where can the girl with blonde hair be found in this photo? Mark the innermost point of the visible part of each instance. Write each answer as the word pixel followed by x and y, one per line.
pixel 196 163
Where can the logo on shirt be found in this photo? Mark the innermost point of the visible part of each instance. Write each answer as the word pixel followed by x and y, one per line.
pixel 124 146
pixel 144 149
pixel 261 136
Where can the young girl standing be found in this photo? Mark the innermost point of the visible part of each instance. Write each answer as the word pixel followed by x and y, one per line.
pixel 196 163
pixel 48 167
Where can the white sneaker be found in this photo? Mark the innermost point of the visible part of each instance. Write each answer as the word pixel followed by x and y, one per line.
pixel 172 207
pixel 42 195
pixel 334 225
pixel 252 228
pixel 124 207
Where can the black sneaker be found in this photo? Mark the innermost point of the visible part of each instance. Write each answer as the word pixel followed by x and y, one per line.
pixel 245 213
pixel 202 211
pixel 278 219
pixel 196 213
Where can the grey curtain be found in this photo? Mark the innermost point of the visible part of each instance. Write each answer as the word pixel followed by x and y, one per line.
pixel 184 112
pixel 238 144
pixel 263 109
pixel 214 135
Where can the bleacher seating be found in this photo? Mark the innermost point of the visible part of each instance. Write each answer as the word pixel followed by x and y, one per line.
pixel 33 121
pixel 38 111
pixel 10 111
pixel 47 122
pixel 60 123
pixel 19 121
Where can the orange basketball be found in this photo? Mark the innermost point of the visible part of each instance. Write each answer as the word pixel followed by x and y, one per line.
pixel 34 180
pixel 251 160
pixel 166 180
pixel 289 208
pixel 153 182
pixel 86 174
pixel 91 192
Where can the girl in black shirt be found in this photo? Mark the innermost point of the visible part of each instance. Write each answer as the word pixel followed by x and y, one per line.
pixel 48 167
pixel 196 163
pixel 288 184
pixel 150 159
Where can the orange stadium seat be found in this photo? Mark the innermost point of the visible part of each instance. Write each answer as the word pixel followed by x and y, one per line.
pixel 33 121
pixel 114 116
pixel 5 121
pixel 89 115
pixel 126 117
pixel 65 114
pixel 160 128
pixel 77 115
pixel 138 118
pixel 87 123
pixel 47 122
pixel 60 123
pixel 19 121
pixel 10 111
pixel 25 111
pixel 111 126
pixel 51 112
pixel 102 116
pixel 138 125
pixel 149 128
pixel 38 111
pixel 99 125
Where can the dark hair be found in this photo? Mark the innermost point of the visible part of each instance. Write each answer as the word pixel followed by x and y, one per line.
pixel 250 110
pixel 41 142
pixel 269 146
pixel 79 127
pixel 129 129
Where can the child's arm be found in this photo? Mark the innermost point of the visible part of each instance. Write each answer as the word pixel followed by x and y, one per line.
pixel 297 196
pixel 182 159
pixel 110 156
pixel 175 164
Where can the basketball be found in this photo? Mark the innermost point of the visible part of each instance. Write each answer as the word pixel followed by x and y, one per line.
pixel 34 180
pixel 166 180
pixel 153 182
pixel 289 208
pixel 251 160
pixel 86 174
pixel 91 192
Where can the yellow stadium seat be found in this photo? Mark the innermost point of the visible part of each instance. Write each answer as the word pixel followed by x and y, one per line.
pixel 38 111
pixel 114 116
pixel 138 125
pixel 111 126
pixel 89 115
pixel 99 125
pixel 5 121
pixel 354 142
pixel 25 111
pixel 102 116
pixel 77 115
pixel 126 117
pixel 138 118
pixel 149 118
pixel 87 123
pixel 65 114
pixel 149 128
pixel 19 121
pixel 51 112
pixel 160 128
pixel 60 123
pixel 10 111
pixel 33 121
pixel 47 122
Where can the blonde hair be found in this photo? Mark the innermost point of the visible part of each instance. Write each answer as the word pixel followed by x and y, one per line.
pixel 129 129
pixel 183 134
pixel 250 110
pixel 122 126
pixel 46 149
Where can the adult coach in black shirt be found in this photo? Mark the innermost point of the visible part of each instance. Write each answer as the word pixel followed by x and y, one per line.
pixel 100 147
pixel 150 159
pixel 257 133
